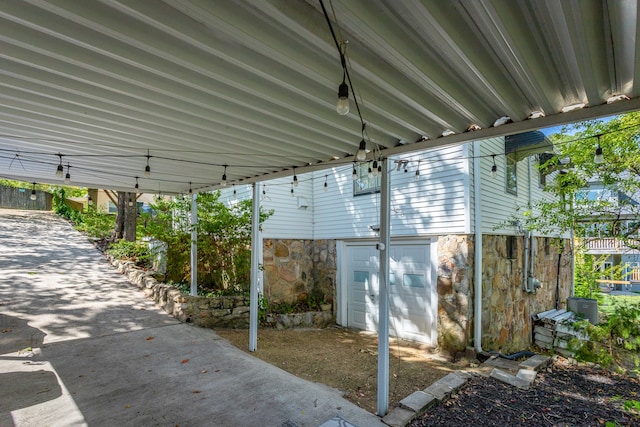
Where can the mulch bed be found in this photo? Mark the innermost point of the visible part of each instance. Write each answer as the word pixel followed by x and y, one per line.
pixel 562 395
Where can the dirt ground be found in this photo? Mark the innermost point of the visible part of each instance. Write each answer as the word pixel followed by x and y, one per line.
pixel 561 395
pixel 347 360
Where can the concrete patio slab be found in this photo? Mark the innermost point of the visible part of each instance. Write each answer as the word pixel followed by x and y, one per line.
pixel 82 346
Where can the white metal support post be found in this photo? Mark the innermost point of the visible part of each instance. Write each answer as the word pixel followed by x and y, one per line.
pixel 383 314
pixel 194 244
pixel 255 268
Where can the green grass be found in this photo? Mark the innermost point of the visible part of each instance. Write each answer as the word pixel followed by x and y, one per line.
pixel 606 304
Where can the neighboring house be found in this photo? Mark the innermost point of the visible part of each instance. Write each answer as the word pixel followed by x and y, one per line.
pixel 106 201
pixel 616 251
pixel 321 241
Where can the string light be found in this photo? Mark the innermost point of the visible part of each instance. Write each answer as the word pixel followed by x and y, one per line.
pixel 354 174
pixel 295 178
pixel 375 168
pixel 137 186
pixel 67 177
pixel 33 192
pixel 369 171
pixel 130 202
pixel 224 177
pixel 326 186
pixel 361 155
pixel 264 190
pixel 417 176
pixel 292 192
pixel 147 169
pixel 234 190
pixel 190 190
pixel 494 168
pixel 598 158
pixel 60 169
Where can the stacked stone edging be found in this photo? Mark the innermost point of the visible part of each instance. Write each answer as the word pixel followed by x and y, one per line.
pixel 211 312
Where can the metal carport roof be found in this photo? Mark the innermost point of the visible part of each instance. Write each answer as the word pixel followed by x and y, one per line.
pixel 199 84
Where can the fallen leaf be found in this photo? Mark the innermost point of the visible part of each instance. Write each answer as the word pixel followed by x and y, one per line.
pixel 184 361
pixel 6 330
pixel 149 338
pixel 127 406
pixel 204 371
pixel 217 370
pixel 196 391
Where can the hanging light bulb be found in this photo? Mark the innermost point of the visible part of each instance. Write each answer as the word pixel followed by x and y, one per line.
pixel 380 168
pixel 190 190
pixel 137 186
pixel 361 155
pixel 33 192
pixel 130 202
pixel 224 177
pixel 67 177
pixel 494 168
pixel 326 186
pixel 417 175
pixel 375 168
pixel 369 171
pixel 60 169
pixel 234 190
pixel 89 200
pixel 354 174
pixel 147 169
pixel 292 192
pixel 598 158
pixel 342 107
pixel 264 190
pixel 295 178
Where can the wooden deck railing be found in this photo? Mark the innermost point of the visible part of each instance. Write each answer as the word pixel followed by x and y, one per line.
pixel 609 244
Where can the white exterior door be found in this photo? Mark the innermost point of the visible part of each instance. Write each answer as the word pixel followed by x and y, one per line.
pixel 412 311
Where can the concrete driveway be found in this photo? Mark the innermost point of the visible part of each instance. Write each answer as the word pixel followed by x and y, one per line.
pixel 79 345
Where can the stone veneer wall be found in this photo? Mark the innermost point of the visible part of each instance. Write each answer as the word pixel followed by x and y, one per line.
pixel 507 309
pixel 455 292
pixel 294 267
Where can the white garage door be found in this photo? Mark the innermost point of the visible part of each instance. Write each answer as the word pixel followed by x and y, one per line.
pixel 412 314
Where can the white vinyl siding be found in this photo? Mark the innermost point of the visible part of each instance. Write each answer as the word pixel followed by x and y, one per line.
pixel 497 204
pixel 290 219
pixel 435 204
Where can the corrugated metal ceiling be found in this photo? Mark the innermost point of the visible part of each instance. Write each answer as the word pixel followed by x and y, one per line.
pixel 199 84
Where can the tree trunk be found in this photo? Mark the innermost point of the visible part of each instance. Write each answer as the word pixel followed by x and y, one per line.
pixel 126 217
pixel 118 232
pixel 130 217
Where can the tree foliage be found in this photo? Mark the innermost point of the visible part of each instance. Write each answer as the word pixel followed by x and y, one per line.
pixel 224 237
pixel 591 199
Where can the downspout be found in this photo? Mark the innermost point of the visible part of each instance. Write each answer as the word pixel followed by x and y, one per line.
pixel 477 280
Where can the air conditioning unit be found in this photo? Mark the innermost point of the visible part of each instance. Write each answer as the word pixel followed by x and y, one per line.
pixel 586 307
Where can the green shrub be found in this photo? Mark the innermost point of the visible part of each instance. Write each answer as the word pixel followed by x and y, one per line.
pixel 131 251
pixel 97 224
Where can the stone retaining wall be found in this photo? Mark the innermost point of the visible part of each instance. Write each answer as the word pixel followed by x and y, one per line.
pixel 212 312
